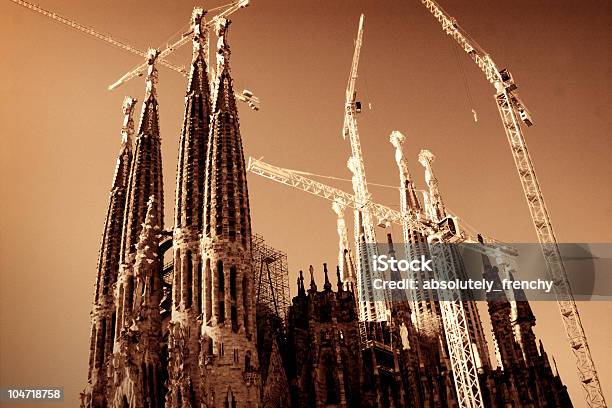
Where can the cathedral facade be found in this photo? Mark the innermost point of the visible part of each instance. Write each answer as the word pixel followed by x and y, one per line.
pixel 190 334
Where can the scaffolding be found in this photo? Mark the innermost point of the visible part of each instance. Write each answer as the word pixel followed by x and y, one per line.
pixel 271 279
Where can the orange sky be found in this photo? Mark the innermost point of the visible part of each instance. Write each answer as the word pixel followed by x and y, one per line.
pixel 60 136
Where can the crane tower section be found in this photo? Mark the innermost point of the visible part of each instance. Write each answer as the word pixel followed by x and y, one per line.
pixel 512 112
pixel 365 237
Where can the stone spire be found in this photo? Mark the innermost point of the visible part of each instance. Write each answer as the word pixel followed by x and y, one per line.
pixel 339 282
pixel 194 136
pixel 138 362
pixel 523 321
pixel 408 197
pixel 327 285
pixel 226 202
pixel 102 330
pixel 435 199
pixel 228 333
pixel 185 383
pixel 313 284
pixel 499 309
pixel 146 170
pixel 300 284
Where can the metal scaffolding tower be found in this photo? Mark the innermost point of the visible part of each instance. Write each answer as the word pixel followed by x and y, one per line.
pixel 271 278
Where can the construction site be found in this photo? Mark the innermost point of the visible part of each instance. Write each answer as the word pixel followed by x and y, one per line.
pixel 193 307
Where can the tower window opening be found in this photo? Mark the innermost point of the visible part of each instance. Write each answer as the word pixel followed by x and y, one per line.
pixel 220 277
pixel 199 289
pixel 221 318
pixel 208 285
pixel 233 282
pixel 189 278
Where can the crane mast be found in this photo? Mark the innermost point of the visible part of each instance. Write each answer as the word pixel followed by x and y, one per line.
pixel 365 236
pixel 512 110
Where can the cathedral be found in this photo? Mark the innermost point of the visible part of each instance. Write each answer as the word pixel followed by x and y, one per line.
pixel 191 334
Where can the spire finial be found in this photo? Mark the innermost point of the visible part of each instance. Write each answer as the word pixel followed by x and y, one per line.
pixel 338 279
pixel 426 157
pixel 196 22
pixel 313 285
pixel 223 49
pixel 301 289
pixel 127 130
pixel 152 77
pixel 199 58
pixel 327 285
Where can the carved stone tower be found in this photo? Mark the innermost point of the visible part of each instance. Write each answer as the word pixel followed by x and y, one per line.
pixel 103 314
pixel 229 351
pixel 185 385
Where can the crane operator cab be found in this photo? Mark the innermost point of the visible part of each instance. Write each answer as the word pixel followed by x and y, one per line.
pixel 525 116
pixel 358 106
pixel 507 79
pixel 450 226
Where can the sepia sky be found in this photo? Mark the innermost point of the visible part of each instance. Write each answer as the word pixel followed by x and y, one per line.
pixel 60 133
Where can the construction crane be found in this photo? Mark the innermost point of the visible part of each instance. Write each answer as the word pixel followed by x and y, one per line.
pixel 365 236
pixel 512 112
pixel 454 318
pixel 455 312
pixel 246 96
pixel 185 38
pixel 383 213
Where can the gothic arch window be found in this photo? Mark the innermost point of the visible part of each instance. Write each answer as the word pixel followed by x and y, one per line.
pixel 101 345
pixel 199 289
pixel 208 286
pixel 113 324
pixel 129 294
pixel 189 278
pixel 245 303
pixel 221 291
pixel 331 391
pixel 220 277
pixel 247 361
pixel 233 282
pixel 234 315
pixel 221 317
pixel 177 279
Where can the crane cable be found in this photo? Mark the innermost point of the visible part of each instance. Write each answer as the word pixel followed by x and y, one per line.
pixel 466 84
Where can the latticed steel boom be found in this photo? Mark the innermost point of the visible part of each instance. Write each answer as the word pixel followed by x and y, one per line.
pixel 185 38
pixel 292 178
pixel 512 111
pixel 365 236
pixel 246 96
pixel 96 34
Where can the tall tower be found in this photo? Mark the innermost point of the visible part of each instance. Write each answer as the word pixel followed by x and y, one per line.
pixel 228 334
pixel 136 358
pixel 103 314
pixel 426 309
pixel 146 172
pixel 145 181
pixel 138 373
pixel 437 210
pixel 184 332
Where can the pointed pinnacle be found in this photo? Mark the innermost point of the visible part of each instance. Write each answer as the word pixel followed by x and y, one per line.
pixel 127 129
pixel 313 285
pixel 327 285
pixel 151 79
